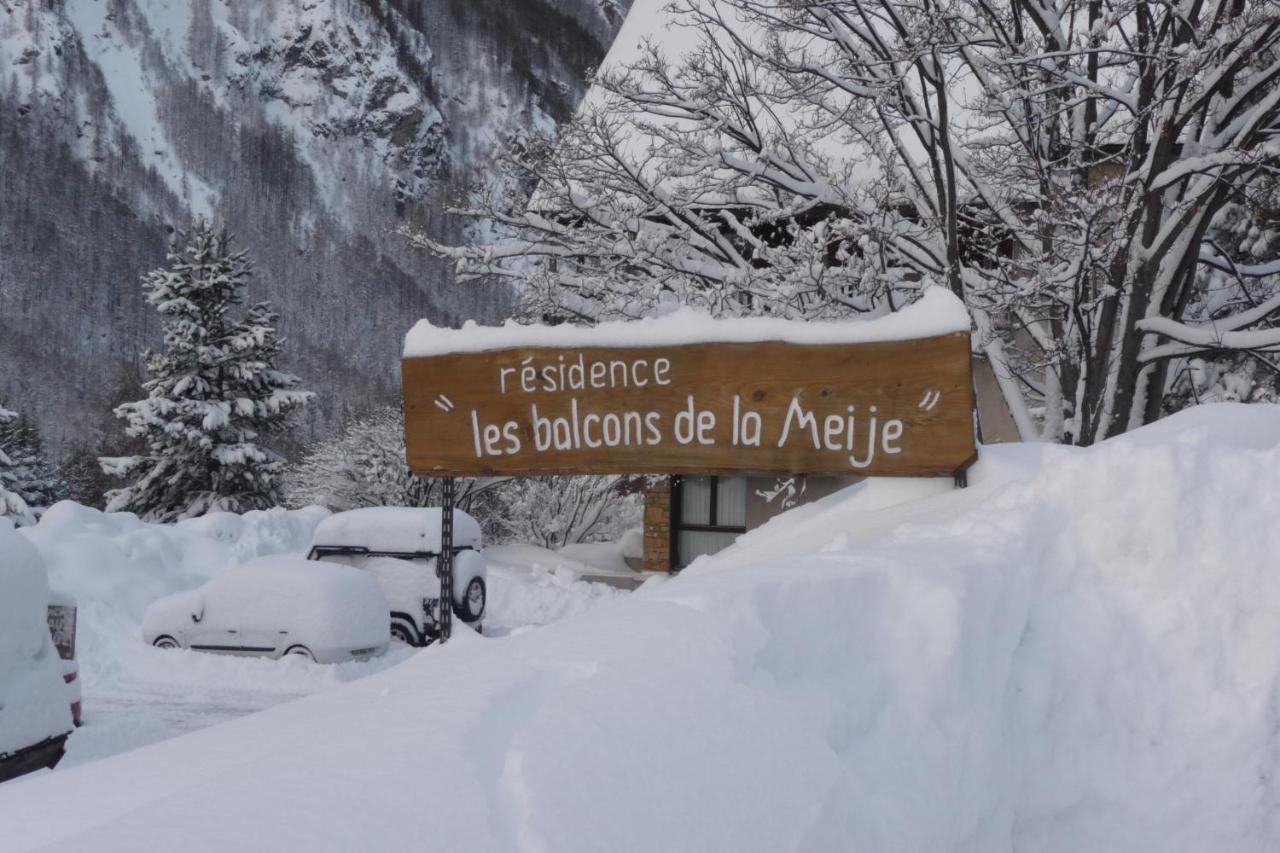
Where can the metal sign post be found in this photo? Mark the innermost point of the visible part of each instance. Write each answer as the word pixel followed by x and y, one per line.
pixel 444 563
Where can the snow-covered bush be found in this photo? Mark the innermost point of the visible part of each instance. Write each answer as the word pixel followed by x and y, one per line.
pixel 364 465
pixel 556 511
pixel 214 392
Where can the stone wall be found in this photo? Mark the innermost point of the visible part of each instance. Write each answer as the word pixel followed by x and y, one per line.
pixel 657 526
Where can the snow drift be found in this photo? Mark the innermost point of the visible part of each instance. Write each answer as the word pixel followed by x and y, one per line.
pixel 1079 652
pixel 115 565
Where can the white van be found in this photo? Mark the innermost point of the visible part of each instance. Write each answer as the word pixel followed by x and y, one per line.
pixel 272 607
pixel 399 547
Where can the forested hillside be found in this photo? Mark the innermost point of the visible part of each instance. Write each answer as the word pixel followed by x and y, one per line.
pixel 313 131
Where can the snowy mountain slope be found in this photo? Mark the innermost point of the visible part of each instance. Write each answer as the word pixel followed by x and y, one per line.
pixel 313 129
pixel 1079 652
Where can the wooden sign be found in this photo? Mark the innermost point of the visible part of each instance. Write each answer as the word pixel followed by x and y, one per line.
pixel 887 408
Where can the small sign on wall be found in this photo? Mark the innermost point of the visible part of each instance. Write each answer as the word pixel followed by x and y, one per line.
pixel 898 407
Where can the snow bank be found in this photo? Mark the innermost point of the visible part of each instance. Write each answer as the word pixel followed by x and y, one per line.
pixel 599 557
pixel 115 565
pixel 33 697
pixel 937 312
pixel 1079 652
pixel 523 596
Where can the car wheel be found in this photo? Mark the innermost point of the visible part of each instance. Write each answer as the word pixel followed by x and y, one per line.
pixel 300 651
pixel 473 601
pixel 166 642
pixel 405 634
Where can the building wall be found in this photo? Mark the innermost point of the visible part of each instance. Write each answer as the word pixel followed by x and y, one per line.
pixel 808 489
pixel 657 525
pixel 997 426
pixel 994 418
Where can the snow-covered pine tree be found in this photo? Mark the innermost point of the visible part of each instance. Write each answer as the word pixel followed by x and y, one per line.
pixel 553 512
pixel 213 392
pixel 12 506
pixel 29 473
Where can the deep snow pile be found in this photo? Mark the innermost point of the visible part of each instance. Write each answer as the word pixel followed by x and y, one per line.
pixel 1079 652
pixel 115 565
pixel 526 590
pixel 33 697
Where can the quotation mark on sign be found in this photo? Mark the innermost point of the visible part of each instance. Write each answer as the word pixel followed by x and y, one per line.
pixel 929 400
pixel 444 404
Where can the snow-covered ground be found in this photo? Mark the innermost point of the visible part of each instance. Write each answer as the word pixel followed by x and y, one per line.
pixel 115 565
pixel 1081 651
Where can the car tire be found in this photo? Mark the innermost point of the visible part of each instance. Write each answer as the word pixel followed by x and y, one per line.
pixel 300 651
pixel 166 642
pixel 405 633
pixel 474 599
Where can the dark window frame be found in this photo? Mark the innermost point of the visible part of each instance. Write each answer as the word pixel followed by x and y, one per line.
pixel 676 525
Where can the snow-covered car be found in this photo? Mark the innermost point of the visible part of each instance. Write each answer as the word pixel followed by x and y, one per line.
pixel 276 606
pixel 35 716
pixel 399 547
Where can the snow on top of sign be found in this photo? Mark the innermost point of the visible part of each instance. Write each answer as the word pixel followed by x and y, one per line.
pixel 938 312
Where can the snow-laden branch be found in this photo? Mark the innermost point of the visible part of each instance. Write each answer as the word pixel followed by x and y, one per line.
pixel 1229 333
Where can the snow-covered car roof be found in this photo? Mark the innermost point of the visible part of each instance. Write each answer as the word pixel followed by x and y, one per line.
pixel 317 603
pixel 264 574
pixel 394 530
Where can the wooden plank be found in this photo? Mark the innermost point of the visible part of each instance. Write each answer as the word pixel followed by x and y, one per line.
pixel 876 409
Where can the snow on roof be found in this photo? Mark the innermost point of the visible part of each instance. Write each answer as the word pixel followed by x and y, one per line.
pixel 660 22
pixel 395 529
pixel 937 312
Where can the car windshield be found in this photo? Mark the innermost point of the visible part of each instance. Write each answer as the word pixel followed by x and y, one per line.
pixel 362 560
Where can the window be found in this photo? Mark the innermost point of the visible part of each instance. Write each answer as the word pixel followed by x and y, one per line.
pixel 710 512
